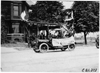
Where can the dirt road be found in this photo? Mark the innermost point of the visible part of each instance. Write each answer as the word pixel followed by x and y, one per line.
pixel 82 59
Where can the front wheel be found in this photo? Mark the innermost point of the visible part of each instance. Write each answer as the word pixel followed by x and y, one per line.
pixel 43 47
pixel 71 47
pixel 36 50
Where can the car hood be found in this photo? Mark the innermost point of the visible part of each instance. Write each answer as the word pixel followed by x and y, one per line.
pixel 63 41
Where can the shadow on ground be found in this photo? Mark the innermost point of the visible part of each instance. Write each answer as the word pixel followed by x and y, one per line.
pixel 24 46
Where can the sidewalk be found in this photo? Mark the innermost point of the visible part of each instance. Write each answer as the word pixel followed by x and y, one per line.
pixel 8 50
pixel 11 47
pixel 15 45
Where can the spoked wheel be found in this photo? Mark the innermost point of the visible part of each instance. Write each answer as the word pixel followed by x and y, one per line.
pixel 37 50
pixel 43 47
pixel 71 47
pixel 63 49
pixel 97 45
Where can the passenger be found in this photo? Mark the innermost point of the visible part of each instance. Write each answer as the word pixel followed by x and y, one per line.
pixel 43 34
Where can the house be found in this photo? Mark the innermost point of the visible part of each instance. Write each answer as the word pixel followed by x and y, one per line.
pixel 12 10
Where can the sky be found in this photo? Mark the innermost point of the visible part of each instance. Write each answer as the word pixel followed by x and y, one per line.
pixel 67 4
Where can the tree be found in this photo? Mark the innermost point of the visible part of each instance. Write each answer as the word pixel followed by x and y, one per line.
pixel 48 11
pixel 86 17
pixel 3 30
pixel 5 15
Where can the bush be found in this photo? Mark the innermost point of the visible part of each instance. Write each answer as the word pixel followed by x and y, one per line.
pixel 3 31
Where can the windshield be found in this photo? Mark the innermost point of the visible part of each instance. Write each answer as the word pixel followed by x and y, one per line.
pixel 59 33
pixel 56 33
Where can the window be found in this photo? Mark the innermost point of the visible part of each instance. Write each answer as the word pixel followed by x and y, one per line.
pixel 16 12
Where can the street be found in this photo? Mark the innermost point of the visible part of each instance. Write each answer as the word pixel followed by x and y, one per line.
pixel 82 59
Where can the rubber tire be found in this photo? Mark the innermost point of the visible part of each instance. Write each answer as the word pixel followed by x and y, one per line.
pixel 63 49
pixel 41 48
pixel 71 48
pixel 97 46
pixel 37 51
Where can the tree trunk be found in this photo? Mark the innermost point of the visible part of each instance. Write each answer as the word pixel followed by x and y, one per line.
pixel 85 38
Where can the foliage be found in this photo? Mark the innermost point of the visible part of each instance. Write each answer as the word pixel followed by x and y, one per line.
pixel 5 15
pixel 48 11
pixel 3 31
pixel 86 16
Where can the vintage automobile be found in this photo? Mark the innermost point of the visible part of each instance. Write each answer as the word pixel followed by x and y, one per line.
pixel 97 41
pixel 49 36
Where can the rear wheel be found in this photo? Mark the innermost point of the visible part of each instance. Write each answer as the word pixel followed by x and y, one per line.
pixel 71 47
pixel 43 47
pixel 63 49
pixel 97 45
